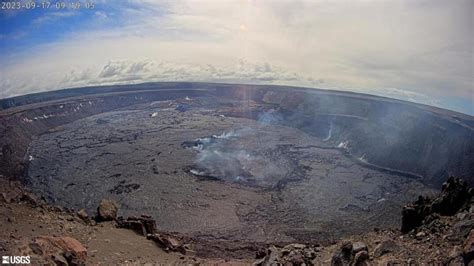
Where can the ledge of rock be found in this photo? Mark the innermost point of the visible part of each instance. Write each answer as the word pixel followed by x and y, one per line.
pixel 455 195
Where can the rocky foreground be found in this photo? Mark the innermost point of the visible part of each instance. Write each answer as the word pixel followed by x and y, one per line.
pixel 435 231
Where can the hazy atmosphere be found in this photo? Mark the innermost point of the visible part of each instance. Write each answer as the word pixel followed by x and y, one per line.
pixel 420 51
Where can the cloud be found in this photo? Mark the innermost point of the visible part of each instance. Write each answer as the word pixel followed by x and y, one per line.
pixel 116 72
pixel 101 15
pixel 52 16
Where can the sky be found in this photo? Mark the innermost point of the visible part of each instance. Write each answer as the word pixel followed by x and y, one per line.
pixel 415 50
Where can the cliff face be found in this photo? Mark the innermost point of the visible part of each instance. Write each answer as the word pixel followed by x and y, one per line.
pixel 27 118
pixel 420 140
pixel 385 133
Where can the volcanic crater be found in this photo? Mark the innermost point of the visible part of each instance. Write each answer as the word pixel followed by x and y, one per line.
pixel 235 162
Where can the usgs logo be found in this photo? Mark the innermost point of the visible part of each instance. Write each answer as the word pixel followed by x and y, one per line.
pixel 16 260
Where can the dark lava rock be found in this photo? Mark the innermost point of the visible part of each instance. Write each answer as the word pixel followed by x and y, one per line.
pixel 107 210
pixel 168 243
pixel 261 253
pixel 11 219
pixel 455 195
pixel 468 248
pixel 291 254
pixel 359 246
pixel 59 259
pixel 385 247
pixel 144 224
pixel 461 230
pixel 82 213
pixel 4 198
pixel 412 217
pixel 337 259
pixel 3 245
pixel 344 255
pixel 29 198
pixel 420 235
pixel 274 255
pixel 361 258
pixel 346 249
pixel 296 259
pixel 35 248
pixel 59 250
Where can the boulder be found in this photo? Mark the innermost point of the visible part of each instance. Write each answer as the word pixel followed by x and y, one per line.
pixel 291 254
pixel 3 245
pixel 82 213
pixel 107 210
pixel 461 230
pixel 29 198
pixel 462 215
pixel 361 258
pixel 261 253
pixel 344 255
pixel 468 248
pixel 385 247
pixel 351 254
pixel 338 260
pixel 455 196
pixel 420 235
pixel 296 259
pixel 144 224
pixel 309 253
pixel 58 249
pixel 359 246
pixel 59 259
pixel 346 250
pixel 273 257
pixel 295 246
pixel 168 243
pixel 4 198
pixel 413 214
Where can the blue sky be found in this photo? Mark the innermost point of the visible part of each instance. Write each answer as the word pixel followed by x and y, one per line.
pixel 23 28
pixel 27 28
pixel 420 51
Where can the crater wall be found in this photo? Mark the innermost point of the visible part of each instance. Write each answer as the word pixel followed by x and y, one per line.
pixel 420 140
